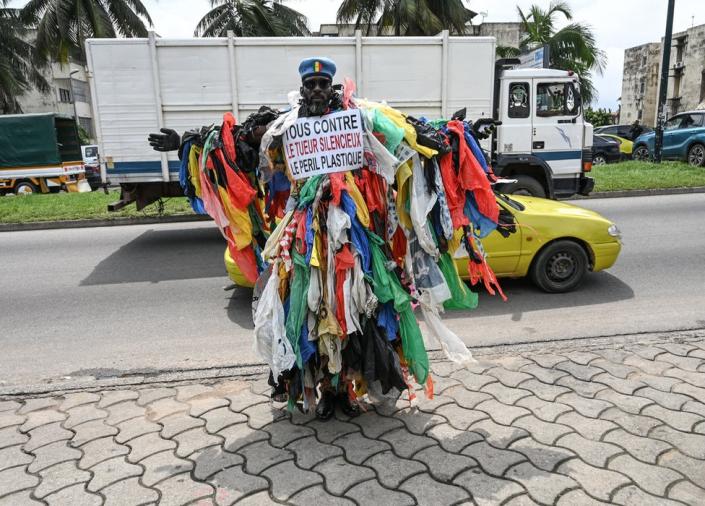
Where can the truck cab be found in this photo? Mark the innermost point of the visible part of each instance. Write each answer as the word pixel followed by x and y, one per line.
pixel 544 142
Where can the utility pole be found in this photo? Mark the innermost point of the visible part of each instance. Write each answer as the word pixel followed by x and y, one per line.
pixel 663 88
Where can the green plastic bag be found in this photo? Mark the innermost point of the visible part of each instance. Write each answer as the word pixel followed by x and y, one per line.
pixel 392 133
pixel 386 287
pixel 297 303
pixel 461 297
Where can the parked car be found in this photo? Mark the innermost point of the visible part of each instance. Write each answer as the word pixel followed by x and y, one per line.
pixel 605 150
pixel 625 145
pixel 555 243
pixel 683 139
pixel 623 131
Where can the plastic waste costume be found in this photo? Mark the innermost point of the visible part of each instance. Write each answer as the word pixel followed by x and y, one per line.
pixel 340 259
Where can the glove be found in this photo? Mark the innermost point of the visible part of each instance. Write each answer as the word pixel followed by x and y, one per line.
pixel 168 140
pixel 484 127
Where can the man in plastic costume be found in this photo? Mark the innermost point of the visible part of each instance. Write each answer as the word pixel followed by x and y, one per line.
pixel 318 97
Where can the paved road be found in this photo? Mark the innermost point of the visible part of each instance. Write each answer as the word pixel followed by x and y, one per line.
pixel 99 302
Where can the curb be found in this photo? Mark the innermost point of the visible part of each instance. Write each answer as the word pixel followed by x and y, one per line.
pixel 640 193
pixel 170 377
pixel 115 222
pixel 49 225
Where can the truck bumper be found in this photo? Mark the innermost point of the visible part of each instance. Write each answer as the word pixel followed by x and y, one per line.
pixel 586 185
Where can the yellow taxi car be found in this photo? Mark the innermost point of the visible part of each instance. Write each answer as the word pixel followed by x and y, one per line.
pixel 625 145
pixel 555 243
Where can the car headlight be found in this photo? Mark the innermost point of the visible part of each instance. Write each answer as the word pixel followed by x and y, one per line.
pixel 614 231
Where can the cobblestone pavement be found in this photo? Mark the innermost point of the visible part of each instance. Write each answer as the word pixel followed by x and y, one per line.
pixel 571 425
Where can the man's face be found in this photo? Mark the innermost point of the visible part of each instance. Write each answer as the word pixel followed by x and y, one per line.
pixel 316 92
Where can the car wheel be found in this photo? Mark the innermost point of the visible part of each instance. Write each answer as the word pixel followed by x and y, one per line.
pixel 641 153
pixel 525 185
pixel 559 267
pixel 599 159
pixel 25 188
pixel 696 155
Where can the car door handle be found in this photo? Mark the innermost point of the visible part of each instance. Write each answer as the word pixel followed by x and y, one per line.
pixel 538 145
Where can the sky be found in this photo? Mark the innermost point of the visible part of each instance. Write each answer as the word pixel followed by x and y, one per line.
pixel 617 24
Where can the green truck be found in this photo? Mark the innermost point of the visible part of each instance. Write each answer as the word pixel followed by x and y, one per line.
pixel 40 153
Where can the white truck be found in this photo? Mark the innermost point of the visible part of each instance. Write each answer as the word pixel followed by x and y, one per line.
pixel 141 85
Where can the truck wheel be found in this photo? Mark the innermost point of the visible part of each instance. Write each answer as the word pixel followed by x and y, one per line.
pixel 641 153
pixel 559 267
pixel 525 185
pixel 25 188
pixel 599 159
pixel 696 155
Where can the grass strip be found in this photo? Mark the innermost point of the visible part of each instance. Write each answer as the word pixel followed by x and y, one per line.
pixel 631 175
pixel 78 206
pixel 634 175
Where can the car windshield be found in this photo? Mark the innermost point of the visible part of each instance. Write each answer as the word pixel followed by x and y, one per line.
pixel 510 202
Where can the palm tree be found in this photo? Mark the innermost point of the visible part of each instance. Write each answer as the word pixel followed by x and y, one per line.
pixel 573 47
pixel 64 25
pixel 252 18
pixel 20 64
pixel 407 17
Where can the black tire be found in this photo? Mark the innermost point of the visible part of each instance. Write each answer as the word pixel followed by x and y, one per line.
pixel 696 155
pixel 525 185
pixel 641 153
pixel 25 188
pixel 599 159
pixel 559 267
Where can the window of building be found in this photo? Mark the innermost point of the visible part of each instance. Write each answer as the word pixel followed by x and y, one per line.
pixel 643 60
pixel 642 85
pixel 639 115
pixel 64 95
pixel 519 106
pixel 81 92
pixel 86 124
pixel 702 85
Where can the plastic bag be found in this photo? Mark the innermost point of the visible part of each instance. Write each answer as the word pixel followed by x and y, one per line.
pixel 271 342
pixel 461 297
pixel 381 160
pixel 392 133
pixel 451 344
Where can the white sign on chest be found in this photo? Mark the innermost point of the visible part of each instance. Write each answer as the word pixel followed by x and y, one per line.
pixel 324 144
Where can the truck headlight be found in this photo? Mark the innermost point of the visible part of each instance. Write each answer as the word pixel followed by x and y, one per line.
pixel 614 231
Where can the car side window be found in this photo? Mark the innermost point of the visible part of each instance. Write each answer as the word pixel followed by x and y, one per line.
pixel 519 106
pixel 673 123
pixel 691 121
pixel 623 132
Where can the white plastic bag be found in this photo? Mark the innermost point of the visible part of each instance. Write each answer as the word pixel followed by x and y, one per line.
pixel 384 163
pixel 271 342
pixel 451 344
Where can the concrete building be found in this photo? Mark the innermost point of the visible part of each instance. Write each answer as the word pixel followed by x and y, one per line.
pixel 69 92
pixel 642 73
pixel 508 34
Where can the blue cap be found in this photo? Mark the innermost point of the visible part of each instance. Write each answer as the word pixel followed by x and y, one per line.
pixel 317 66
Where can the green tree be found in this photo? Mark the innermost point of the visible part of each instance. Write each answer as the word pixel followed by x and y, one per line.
pixel 598 117
pixel 407 17
pixel 252 18
pixel 20 63
pixel 573 47
pixel 64 25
